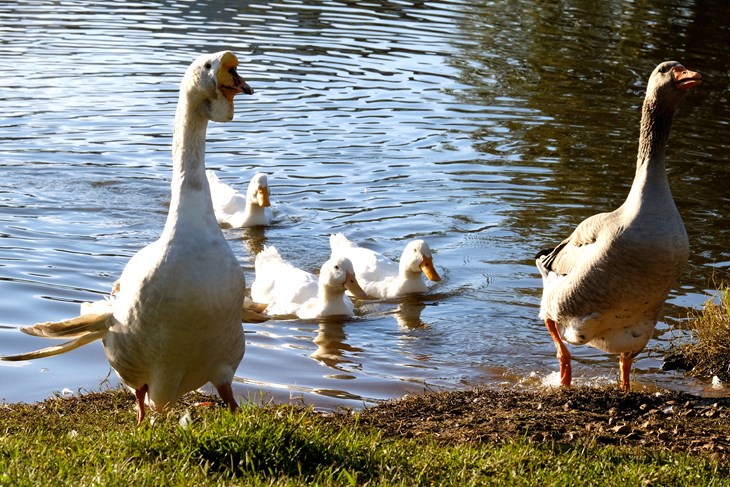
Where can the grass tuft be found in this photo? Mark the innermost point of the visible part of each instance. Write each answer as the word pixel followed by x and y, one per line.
pixel 292 445
pixel 707 352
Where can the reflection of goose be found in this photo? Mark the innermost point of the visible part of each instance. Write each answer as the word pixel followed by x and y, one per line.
pixel 176 321
pixel 605 284
pixel 238 211
pixel 292 291
pixel 381 277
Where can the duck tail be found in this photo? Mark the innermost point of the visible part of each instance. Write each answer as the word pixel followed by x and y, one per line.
pixel 221 193
pixel 339 240
pixel 268 253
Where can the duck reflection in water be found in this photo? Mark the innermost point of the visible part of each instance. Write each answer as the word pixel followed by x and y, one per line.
pixel 332 349
pixel 254 238
pixel 408 313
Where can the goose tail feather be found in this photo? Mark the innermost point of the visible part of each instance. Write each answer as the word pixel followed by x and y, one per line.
pixel 83 329
pixel 73 328
pixel 57 349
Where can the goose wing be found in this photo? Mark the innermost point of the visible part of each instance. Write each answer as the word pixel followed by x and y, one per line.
pixel 562 259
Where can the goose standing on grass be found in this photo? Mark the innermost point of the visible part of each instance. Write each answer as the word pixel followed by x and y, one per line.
pixel 175 323
pixel 381 277
pixel 288 290
pixel 238 211
pixel 605 285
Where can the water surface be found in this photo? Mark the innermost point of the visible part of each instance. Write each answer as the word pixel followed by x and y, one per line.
pixel 489 129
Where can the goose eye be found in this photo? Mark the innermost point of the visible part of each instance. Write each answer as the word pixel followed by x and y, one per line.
pixel 208 66
pixel 337 268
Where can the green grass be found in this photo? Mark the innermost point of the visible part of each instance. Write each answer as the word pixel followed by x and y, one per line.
pixel 93 440
pixel 707 352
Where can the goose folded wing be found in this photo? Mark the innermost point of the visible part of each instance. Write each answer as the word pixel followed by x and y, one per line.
pixel 563 258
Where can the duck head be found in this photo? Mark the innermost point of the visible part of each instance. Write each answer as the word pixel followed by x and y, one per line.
pixel 338 275
pixel 417 258
pixel 258 190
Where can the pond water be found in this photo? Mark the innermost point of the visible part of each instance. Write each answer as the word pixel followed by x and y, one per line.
pixel 488 128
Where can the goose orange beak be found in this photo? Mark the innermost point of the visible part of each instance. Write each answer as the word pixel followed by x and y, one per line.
pixel 229 82
pixel 684 79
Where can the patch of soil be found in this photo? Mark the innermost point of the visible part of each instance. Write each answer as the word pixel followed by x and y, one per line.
pixel 664 420
pixel 667 420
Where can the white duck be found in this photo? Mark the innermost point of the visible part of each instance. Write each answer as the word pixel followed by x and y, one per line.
pixel 605 285
pixel 291 291
pixel 380 276
pixel 238 211
pixel 176 321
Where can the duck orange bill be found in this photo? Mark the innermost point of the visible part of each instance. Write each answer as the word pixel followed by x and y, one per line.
pixel 685 79
pixel 352 285
pixel 263 197
pixel 428 269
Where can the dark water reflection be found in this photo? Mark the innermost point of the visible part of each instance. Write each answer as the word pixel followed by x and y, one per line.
pixel 489 128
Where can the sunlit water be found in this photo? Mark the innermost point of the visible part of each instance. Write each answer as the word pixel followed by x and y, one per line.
pixel 490 130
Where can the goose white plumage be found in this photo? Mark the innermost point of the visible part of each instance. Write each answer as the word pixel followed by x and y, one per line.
pixel 175 323
pixel 605 285
pixel 289 290
pixel 236 210
pixel 383 278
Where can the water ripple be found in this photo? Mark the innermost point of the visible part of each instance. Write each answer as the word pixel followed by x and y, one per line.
pixel 484 127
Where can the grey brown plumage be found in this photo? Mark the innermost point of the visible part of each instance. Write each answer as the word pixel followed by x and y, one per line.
pixel 606 283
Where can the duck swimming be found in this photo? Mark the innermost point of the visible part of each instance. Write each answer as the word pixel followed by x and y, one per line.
pixel 236 210
pixel 289 290
pixel 383 278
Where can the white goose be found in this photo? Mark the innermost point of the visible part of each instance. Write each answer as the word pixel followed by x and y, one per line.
pixel 176 321
pixel 380 276
pixel 605 285
pixel 291 291
pixel 238 211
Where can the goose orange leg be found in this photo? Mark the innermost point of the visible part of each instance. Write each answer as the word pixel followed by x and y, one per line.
pixel 141 393
pixel 566 373
pixel 625 367
pixel 225 391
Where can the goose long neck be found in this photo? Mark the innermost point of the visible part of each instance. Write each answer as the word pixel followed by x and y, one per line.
pixel 190 190
pixel 651 174
pixel 656 123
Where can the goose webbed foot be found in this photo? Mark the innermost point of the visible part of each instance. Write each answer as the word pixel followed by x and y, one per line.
pixel 225 391
pixel 566 372
pixel 140 393
pixel 625 367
